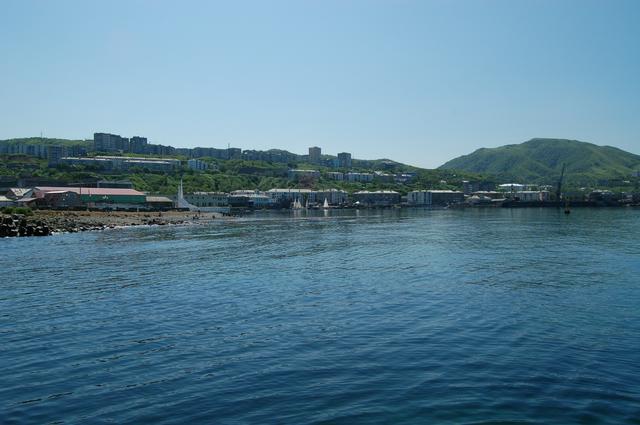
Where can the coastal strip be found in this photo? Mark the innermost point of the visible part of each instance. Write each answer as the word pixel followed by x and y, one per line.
pixel 49 222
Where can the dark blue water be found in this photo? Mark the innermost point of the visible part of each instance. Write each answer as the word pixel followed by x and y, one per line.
pixel 475 316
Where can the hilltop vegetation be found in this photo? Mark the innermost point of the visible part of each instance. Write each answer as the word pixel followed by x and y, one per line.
pixel 535 161
pixel 226 176
pixel 540 161
pixel 48 141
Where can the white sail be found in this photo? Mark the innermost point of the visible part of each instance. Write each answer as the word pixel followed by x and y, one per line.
pixel 184 204
pixel 296 205
pixel 326 203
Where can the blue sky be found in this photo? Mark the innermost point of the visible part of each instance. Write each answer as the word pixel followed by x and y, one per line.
pixel 416 81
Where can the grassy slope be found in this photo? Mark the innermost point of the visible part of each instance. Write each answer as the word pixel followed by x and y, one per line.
pixel 540 160
pixel 231 174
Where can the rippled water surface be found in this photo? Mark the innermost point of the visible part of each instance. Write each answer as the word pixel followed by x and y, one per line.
pixel 474 316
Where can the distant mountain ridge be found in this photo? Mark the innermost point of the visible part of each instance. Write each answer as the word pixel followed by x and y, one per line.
pixel 540 160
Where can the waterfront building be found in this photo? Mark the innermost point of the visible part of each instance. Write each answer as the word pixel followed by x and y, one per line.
pixel 315 154
pixel 89 196
pixel 604 197
pixel 159 203
pixel 530 195
pixel 60 199
pixel 488 194
pixel 380 198
pixel 287 196
pixel 6 202
pixel 259 200
pixel 478 200
pixel 434 197
pixel 359 177
pixel 418 197
pixel 446 197
pixel 527 195
pixel 17 192
pixel 208 199
pixel 513 187
pixel 333 196
pixel 299 174
pixel 344 160
pixel 469 187
pixel 249 199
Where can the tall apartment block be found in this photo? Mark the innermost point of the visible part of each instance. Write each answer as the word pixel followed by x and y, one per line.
pixel 138 144
pixel 344 160
pixel 314 154
pixel 106 142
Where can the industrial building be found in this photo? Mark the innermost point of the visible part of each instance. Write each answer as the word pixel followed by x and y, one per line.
pixel 63 197
pixel 434 197
pixel 380 198
pixel 333 196
pixel 208 199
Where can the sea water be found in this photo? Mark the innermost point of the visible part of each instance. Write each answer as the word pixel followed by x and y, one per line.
pixel 342 317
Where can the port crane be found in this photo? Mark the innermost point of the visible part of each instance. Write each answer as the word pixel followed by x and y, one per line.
pixel 559 187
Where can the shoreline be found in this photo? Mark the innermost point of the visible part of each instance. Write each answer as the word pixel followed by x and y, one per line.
pixel 51 222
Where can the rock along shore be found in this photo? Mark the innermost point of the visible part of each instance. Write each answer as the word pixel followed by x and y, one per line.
pixel 45 223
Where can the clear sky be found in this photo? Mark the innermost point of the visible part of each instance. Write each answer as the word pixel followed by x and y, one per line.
pixel 419 81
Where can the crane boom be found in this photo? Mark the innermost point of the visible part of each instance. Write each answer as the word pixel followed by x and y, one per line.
pixel 559 188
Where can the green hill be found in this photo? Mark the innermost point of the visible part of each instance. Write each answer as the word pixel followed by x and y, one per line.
pixel 540 160
pixel 47 141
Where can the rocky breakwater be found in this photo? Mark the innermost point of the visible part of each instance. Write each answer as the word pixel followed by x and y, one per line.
pixel 44 223
pixel 18 225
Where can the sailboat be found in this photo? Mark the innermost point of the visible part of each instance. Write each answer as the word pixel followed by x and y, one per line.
pixel 296 205
pixel 326 204
pixel 184 204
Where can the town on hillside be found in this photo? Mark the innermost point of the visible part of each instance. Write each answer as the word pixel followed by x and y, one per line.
pixel 111 172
